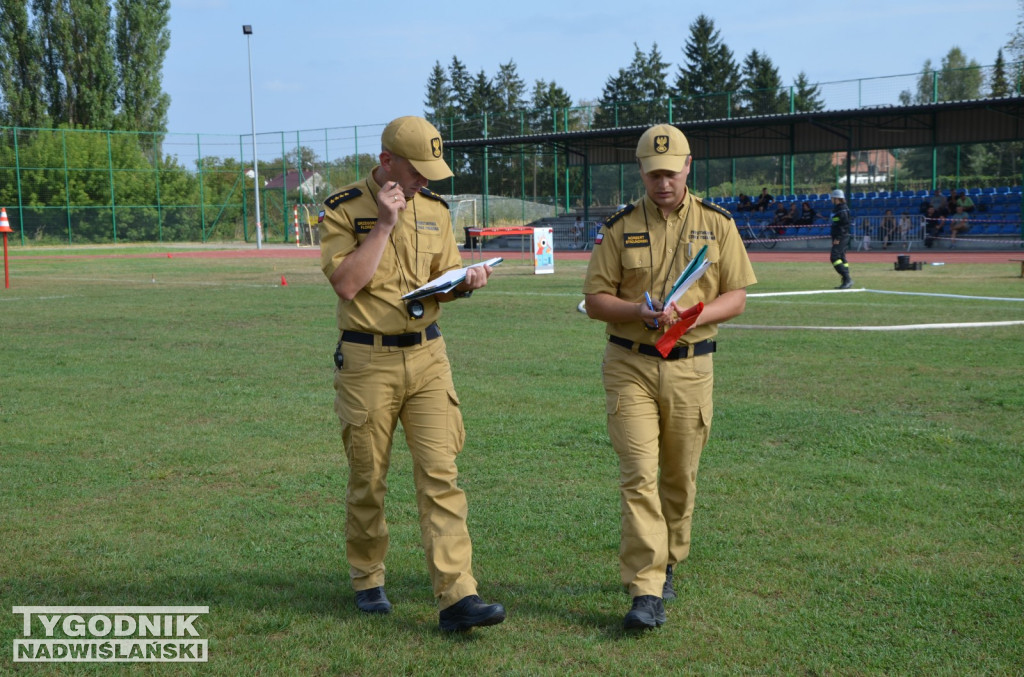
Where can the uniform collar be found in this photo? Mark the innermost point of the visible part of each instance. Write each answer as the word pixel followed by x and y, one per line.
pixel 654 210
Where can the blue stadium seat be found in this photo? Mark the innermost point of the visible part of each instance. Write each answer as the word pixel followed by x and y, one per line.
pixel 988 191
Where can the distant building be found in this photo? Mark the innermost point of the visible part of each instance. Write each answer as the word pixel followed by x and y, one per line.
pixel 867 166
pixel 308 183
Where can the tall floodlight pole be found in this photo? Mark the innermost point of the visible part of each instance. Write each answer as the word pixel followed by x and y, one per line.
pixel 247 30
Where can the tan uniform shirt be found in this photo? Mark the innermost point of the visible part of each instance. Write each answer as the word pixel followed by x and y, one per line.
pixel 638 250
pixel 420 249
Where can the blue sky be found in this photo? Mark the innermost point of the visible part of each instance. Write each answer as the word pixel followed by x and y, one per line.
pixel 325 63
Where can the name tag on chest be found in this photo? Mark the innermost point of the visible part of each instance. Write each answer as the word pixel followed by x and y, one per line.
pixel 630 240
pixel 364 226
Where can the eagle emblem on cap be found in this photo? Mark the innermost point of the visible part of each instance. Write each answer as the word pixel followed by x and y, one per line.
pixel 435 146
pixel 661 143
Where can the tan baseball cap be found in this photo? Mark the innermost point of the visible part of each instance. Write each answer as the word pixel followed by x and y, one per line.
pixel 419 142
pixel 662 147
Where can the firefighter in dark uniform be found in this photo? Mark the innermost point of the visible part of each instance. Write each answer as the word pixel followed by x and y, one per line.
pixel 841 222
pixel 381 238
pixel 659 409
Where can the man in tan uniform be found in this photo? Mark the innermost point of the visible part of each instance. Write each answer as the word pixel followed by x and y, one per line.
pixel 659 408
pixel 381 238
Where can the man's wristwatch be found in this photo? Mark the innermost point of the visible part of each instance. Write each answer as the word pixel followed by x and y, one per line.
pixel 462 294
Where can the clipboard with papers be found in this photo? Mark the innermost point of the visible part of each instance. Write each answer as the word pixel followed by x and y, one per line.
pixel 694 269
pixel 448 281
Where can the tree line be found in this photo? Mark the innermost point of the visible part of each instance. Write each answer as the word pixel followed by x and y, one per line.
pixel 89 64
pixel 709 83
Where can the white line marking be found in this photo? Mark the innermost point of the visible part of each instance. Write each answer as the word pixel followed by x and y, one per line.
pixel 896 327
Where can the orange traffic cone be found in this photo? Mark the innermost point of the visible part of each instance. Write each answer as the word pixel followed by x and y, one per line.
pixel 284 282
pixel 5 227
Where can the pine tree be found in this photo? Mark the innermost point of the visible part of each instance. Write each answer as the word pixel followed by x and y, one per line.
pixel 509 90
pixel 636 95
pixel 461 84
pixel 141 41
pixel 807 97
pixel 761 91
pixel 438 101
pixel 704 82
pixel 550 104
pixel 999 85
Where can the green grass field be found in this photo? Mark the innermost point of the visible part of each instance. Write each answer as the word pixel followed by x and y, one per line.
pixel 168 438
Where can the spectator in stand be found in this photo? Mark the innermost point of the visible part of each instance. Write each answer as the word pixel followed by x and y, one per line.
pixel 888 228
pixel 922 208
pixel 794 213
pixel 905 226
pixel 807 215
pixel 951 203
pixel 964 200
pixel 781 219
pixel 745 205
pixel 957 224
pixel 939 203
pixel 577 233
pixel 932 227
pixel 765 200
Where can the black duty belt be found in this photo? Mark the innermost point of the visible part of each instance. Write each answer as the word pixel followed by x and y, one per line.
pixel 393 340
pixel 703 348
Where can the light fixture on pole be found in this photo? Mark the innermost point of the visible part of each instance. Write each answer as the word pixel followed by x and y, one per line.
pixel 247 30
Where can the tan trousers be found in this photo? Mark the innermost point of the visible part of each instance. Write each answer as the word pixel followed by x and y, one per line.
pixel 377 387
pixel 659 417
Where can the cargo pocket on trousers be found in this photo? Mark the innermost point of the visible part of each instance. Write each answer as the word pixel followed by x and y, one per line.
pixel 354 430
pixel 456 429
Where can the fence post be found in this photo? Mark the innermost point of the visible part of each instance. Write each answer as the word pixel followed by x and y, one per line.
pixel 202 192
pixel 522 168
pixel 17 173
pixel 67 182
pixel 159 206
pixel 245 198
pixel 113 197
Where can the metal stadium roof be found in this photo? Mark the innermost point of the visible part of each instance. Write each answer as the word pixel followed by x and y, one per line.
pixel 940 124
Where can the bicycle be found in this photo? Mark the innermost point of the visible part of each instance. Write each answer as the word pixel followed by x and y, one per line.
pixel 763 234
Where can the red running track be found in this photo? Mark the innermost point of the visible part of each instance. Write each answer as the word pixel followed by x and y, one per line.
pixel 782 256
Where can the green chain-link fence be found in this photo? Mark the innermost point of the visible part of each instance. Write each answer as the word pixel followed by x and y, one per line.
pixel 80 186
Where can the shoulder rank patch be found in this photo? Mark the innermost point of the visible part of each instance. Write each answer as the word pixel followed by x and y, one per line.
pixel 433 196
pixel 333 201
pixel 715 208
pixel 618 215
